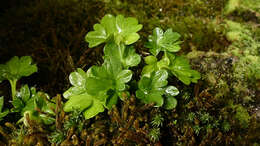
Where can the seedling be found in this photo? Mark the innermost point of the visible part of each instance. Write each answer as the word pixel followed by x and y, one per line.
pixel 28 100
pixel 16 68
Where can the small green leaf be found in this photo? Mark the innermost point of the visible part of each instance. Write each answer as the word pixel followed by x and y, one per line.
pixel 121 29
pixel 99 80
pixel 159 79
pixel 18 105
pixel 170 102
pixel 78 80
pixel 130 58
pixel 94 109
pixel 163 41
pixel 80 102
pixel 154 65
pixel 148 69
pixel 84 102
pixel 150 60
pixel 123 77
pixel 17 68
pixel 73 91
pixel 96 37
pixel 165 61
pixel 108 76
pixel 124 54
pixel 181 69
pixel 126 29
pixel 131 38
pixel 24 93
pixel 171 91
pixel 29 106
pixel 153 41
pixel 111 100
pixel 3 114
pixel 97 84
pixel 151 88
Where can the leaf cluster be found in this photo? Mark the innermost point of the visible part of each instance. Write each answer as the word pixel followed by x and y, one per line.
pixel 153 83
pixel 100 87
pixel 175 65
pixel 29 101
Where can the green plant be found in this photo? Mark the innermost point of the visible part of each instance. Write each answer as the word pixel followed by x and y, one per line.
pixel 226 126
pixel 154 134
pixel 76 121
pixel 16 68
pixel 157 120
pixel 152 88
pixel 57 137
pixel 241 115
pixel 168 42
pixel 101 86
pixel 3 113
pixel 116 29
pixel 36 104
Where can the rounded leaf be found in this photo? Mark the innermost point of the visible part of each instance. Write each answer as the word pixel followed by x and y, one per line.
pixel 150 59
pixel 130 39
pixel 159 79
pixel 80 102
pixel 172 91
pixel 76 79
pixel 124 76
pixel 94 109
pixel 170 103
pixel 155 97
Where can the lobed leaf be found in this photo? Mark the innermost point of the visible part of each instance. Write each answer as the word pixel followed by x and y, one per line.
pixel 181 69
pixel 94 109
pixel 163 41
pixel 126 55
pixel 16 68
pixel 119 28
pixel 80 102
pixel 151 88
pixel 78 80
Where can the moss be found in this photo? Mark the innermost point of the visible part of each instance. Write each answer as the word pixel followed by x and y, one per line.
pixel 242 115
pixel 231 6
pixel 242 5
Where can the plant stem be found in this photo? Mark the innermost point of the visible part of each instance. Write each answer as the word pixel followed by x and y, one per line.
pixel 13 87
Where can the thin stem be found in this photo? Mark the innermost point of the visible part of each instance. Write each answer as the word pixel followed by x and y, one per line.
pixel 13 87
